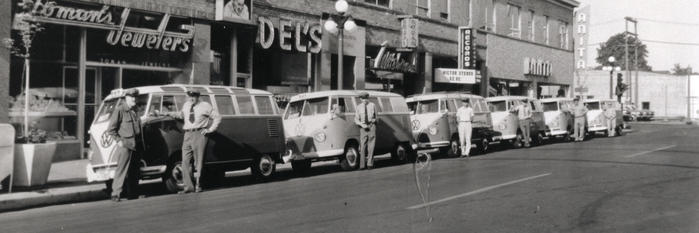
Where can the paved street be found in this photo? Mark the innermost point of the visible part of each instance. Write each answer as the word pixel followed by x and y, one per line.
pixel 645 181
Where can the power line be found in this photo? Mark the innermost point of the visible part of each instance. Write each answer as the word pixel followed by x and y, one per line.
pixel 606 22
pixel 669 22
pixel 670 42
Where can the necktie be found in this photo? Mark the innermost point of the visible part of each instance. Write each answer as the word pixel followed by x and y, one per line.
pixel 191 114
pixel 366 114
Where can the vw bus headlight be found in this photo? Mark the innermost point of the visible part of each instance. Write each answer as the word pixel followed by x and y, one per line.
pixel 319 137
pixel 433 130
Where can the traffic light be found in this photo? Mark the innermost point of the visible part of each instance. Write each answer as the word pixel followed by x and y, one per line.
pixel 619 78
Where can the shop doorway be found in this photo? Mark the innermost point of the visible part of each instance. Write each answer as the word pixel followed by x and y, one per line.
pixel 71 100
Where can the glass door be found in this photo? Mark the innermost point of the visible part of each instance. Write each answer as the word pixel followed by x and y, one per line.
pixel 70 97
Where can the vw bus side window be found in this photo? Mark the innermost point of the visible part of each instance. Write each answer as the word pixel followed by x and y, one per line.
pixel 399 104
pixel 412 106
pixel 386 104
pixel 141 104
pixel 293 110
pixel 170 104
pixel 264 105
pixel 342 105
pixel 224 104
pixel 245 104
pixel 155 104
pixel 498 106
pixel 483 104
pixel 106 110
pixel 451 106
pixel 376 103
pixel 316 106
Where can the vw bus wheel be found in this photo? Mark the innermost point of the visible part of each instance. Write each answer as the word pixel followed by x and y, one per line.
pixel 264 166
pixel 619 131
pixel 539 139
pixel 399 154
pixel 518 142
pixel 454 147
pixel 483 146
pixel 301 166
pixel 350 160
pixel 173 178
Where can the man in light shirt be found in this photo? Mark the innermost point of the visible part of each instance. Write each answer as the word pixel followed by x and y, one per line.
pixel 579 114
pixel 464 116
pixel 524 114
pixel 200 119
pixel 610 114
pixel 365 118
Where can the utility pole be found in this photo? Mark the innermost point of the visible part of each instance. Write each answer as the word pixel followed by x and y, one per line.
pixel 632 90
pixel 689 96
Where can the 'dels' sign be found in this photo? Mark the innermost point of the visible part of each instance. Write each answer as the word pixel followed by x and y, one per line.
pixel 119 34
pixel 304 37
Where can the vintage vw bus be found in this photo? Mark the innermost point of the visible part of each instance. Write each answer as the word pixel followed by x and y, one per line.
pixel 320 126
pixel 507 123
pixel 559 120
pixel 250 134
pixel 434 121
pixel 596 121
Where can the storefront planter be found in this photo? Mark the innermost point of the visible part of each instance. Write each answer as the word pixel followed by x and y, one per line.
pixel 33 163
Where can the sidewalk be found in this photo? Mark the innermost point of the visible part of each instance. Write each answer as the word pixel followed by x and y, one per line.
pixel 66 184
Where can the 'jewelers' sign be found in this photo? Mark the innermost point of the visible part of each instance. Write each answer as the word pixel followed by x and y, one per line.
pixel 119 34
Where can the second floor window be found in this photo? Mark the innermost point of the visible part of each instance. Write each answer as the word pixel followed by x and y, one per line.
pixel 422 8
pixel 383 3
pixel 531 25
pixel 563 34
pixel 513 16
pixel 546 30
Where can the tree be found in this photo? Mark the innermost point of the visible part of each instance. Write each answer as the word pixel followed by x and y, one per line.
pixel 615 47
pixel 679 70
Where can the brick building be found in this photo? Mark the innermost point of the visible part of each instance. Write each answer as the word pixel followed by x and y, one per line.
pixel 90 47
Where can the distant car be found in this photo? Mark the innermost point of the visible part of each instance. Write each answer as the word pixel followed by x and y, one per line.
pixel 633 114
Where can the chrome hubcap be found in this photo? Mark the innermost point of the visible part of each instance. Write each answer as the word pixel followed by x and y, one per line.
pixel 266 165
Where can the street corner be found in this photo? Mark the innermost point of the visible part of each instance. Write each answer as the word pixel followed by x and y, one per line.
pixel 32 199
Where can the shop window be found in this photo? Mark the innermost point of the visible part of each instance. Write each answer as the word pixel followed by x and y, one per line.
pixel 224 103
pixel 422 8
pixel 264 105
pixel 383 3
pixel 245 104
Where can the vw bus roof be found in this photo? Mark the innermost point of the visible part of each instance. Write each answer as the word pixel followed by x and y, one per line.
pixel 203 89
pixel 440 95
pixel 311 95
pixel 597 100
pixel 557 99
pixel 507 97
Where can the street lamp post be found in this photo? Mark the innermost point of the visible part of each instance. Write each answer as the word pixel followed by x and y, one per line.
pixel 344 22
pixel 611 69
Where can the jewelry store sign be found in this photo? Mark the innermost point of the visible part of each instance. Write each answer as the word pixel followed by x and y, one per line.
pixel 106 17
pixel 459 76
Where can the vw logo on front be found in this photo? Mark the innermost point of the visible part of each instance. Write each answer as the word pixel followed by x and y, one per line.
pixel 106 139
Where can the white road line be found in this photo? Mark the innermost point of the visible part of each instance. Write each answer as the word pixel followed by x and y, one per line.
pixel 476 191
pixel 650 151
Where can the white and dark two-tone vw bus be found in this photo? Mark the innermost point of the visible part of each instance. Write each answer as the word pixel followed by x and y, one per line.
pixel 320 126
pixel 434 121
pixel 250 134
pixel 507 122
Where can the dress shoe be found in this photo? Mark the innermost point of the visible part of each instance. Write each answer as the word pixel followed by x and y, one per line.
pixel 184 191
pixel 197 189
pixel 116 198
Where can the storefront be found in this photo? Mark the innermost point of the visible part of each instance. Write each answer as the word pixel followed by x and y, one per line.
pixel 89 49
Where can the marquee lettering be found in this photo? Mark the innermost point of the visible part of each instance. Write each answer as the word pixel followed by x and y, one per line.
pixel 288 39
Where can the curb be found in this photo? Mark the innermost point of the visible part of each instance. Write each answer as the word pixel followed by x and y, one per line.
pixel 25 200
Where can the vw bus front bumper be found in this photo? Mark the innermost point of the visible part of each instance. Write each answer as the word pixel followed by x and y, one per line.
pixel 102 172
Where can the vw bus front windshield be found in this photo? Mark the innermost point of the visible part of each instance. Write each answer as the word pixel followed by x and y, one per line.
pixel 592 105
pixel 428 106
pixel 550 106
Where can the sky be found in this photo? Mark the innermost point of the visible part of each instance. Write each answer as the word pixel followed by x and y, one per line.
pixel 658 20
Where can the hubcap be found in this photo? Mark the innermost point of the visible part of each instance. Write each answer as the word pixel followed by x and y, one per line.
pixel 484 145
pixel 454 147
pixel 177 174
pixel 351 156
pixel 400 153
pixel 265 165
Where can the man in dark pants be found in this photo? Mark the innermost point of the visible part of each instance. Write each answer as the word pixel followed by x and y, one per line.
pixel 365 118
pixel 125 129
pixel 200 119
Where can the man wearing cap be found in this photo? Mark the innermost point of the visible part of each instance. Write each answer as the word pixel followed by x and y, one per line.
pixel 579 113
pixel 200 119
pixel 125 129
pixel 365 118
pixel 464 115
pixel 524 114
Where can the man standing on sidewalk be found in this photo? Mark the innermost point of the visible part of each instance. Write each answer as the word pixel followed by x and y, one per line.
pixel 579 113
pixel 464 115
pixel 610 114
pixel 365 118
pixel 524 114
pixel 125 129
pixel 200 119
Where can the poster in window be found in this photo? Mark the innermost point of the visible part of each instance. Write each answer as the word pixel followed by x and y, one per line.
pixel 234 10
